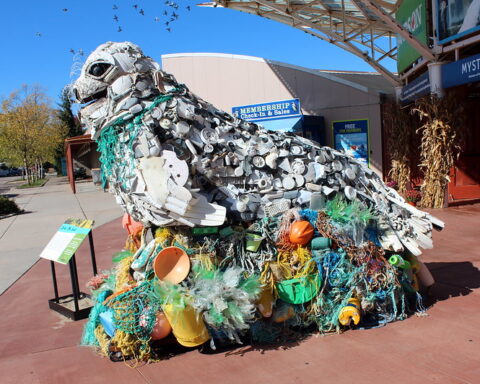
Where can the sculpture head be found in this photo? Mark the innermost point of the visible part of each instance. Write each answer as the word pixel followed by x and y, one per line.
pixel 106 76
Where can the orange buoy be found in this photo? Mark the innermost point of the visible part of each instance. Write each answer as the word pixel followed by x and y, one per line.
pixel 162 327
pixel 301 232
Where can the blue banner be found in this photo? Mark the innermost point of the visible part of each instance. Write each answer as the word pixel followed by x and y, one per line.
pixel 267 111
pixel 418 87
pixel 351 136
pixel 461 72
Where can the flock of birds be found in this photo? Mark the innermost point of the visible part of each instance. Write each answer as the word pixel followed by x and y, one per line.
pixel 168 18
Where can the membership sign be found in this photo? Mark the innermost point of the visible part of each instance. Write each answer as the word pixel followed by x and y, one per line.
pixel 67 240
pixel 268 111
pixel 351 136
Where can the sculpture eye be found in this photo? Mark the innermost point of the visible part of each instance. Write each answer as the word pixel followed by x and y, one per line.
pixel 99 69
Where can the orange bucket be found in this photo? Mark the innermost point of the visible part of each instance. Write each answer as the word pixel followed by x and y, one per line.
pixel 172 264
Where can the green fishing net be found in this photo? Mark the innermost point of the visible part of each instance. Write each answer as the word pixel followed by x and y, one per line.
pixel 135 311
pixel 115 143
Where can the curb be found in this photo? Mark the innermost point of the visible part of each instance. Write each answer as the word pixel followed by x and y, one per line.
pixel 36 186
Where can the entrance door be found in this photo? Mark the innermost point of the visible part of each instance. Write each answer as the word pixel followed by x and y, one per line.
pixel 465 176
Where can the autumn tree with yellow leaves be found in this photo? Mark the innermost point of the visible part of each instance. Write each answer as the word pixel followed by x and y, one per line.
pixel 30 130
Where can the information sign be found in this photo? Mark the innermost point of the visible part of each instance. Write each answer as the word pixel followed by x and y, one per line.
pixel 351 136
pixel 267 111
pixel 67 240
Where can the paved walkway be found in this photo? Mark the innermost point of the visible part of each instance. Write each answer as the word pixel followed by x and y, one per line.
pixel 22 237
pixel 38 345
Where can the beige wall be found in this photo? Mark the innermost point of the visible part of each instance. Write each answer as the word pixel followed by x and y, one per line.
pixel 230 80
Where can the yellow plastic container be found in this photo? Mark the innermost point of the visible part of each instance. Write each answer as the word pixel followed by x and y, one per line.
pixel 351 312
pixel 265 302
pixel 188 327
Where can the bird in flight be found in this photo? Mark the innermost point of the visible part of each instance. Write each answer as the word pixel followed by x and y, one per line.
pixel 119 29
pixel 115 17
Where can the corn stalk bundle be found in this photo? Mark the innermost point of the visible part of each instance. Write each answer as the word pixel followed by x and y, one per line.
pixel 439 145
pixel 399 134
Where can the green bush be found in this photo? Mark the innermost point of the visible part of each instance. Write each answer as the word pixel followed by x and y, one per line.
pixel 8 206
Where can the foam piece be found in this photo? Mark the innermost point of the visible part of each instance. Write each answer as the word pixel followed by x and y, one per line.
pixel 106 319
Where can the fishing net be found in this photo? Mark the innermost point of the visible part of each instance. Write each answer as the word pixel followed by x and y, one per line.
pixel 135 311
pixel 89 338
pixel 116 140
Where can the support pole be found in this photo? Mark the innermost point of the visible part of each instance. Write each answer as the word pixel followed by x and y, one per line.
pixel 398 92
pixel 435 77
pixel 54 278
pixel 75 271
pixel 92 252
pixel 73 278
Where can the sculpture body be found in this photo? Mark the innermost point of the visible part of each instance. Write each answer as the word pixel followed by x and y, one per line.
pixel 171 158
pixel 250 233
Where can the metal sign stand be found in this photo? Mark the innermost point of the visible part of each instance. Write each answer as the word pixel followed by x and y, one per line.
pixel 58 304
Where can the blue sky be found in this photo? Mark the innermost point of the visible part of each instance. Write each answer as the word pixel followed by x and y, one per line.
pixel 36 37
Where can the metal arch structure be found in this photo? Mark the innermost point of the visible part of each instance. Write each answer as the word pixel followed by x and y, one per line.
pixel 353 25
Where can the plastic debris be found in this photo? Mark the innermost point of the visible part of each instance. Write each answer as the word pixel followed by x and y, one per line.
pixel 283 236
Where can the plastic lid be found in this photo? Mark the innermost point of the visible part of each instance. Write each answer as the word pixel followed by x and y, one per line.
pixel 288 183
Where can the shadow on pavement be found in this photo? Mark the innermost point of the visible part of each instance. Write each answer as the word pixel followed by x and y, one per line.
pixel 452 280
pixel 288 338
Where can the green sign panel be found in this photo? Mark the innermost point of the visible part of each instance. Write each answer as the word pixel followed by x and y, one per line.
pixel 67 240
pixel 413 16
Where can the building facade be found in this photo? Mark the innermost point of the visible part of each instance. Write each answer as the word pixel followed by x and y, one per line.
pixel 451 29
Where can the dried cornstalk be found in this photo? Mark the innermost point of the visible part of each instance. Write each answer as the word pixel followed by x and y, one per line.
pixel 439 145
pixel 398 145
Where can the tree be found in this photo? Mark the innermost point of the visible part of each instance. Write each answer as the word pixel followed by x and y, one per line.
pixel 30 130
pixel 66 116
